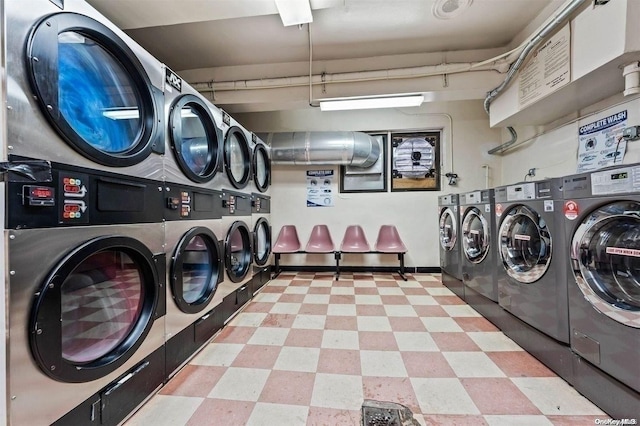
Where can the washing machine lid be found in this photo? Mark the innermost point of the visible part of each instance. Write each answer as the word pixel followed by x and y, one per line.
pixel 448 228
pixel 476 238
pixel 605 254
pixel 525 244
pixel 94 309
pixel 261 241
pixel 261 167
pixel 237 157
pixel 195 138
pixel 237 253
pixel 196 270
pixel 93 90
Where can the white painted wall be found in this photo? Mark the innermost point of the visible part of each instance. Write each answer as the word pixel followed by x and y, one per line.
pixel 414 213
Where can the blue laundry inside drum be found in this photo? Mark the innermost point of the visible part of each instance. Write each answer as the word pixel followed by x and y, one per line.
pixel 96 96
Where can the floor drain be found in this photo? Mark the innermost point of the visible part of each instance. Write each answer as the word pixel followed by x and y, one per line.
pixel 381 413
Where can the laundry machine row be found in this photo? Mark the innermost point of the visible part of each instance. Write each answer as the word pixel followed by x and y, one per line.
pixel 86 296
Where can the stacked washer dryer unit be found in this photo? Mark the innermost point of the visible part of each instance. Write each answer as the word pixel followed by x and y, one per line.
pixel 449 222
pixel 86 287
pixel 193 221
pixel 261 214
pixel 602 219
pixel 478 236
pixel 532 270
pixel 236 221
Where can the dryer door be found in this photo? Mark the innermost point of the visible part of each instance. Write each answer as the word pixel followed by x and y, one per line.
pixel 94 309
pixel 195 270
pixel 475 235
pixel 93 89
pixel 261 241
pixel 525 244
pixel 605 254
pixel 261 167
pixel 237 157
pixel 194 138
pixel 238 251
pixel 448 228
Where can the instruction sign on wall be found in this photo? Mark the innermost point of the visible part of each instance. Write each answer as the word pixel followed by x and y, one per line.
pixel 548 70
pixel 600 142
pixel 319 188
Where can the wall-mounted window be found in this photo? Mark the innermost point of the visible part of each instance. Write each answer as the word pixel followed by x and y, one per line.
pixel 415 161
pixel 367 179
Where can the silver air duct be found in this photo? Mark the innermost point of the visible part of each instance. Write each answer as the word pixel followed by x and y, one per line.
pixel 343 148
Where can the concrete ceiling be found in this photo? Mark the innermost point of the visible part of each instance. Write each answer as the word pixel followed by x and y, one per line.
pixel 249 34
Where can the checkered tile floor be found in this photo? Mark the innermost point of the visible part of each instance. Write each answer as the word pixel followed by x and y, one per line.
pixel 308 350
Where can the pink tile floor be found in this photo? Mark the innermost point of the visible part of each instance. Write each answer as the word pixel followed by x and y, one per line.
pixel 309 350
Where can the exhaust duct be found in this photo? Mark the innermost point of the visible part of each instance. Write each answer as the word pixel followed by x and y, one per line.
pixel 341 148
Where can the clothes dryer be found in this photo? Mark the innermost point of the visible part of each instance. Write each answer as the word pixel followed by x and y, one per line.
pixel 193 152
pixel 81 91
pixel 449 223
pixel 261 166
pixel 262 239
pixel 532 263
pixel 86 296
pixel 195 267
pixel 238 254
pixel 602 219
pixel 237 154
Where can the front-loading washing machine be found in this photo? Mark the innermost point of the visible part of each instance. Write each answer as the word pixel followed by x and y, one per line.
pixel 532 268
pixel 262 239
pixel 195 267
pixel 86 296
pixel 238 254
pixel 449 223
pixel 602 220
pixel 80 91
pixel 193 152
pixel 478 236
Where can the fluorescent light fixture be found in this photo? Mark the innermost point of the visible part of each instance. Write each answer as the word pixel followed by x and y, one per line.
pixel 121 113
pixel 294 12
pixel 371 103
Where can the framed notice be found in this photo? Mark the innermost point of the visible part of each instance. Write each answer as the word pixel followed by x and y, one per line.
pixel 319 188
pixel 415 161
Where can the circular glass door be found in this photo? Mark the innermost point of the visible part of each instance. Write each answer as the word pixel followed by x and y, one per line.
pixel 194 138
pixel 261 167
pixel 605 250
pixel 238 251
pixel 237 157
pixel 448 229
pixel 93 89
pixel 195 270
pixel 475 236
pixel 262 241
pixel 525 244
pixel 94 309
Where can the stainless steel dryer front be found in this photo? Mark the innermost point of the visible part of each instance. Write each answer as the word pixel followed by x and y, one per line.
pixel 195 267
pixel 86 297
pixel 449 224
pixel 602 220
pixel 238 254
pixel 193 153
pixel 262 239
pixel 81 91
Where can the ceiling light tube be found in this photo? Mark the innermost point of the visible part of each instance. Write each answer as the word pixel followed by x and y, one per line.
pixel 294 12
pixel 372 103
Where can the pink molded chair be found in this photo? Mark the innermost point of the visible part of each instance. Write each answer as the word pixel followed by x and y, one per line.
pixel 354 240
pixel 320 240
pixel 389 241
pixel 287 242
